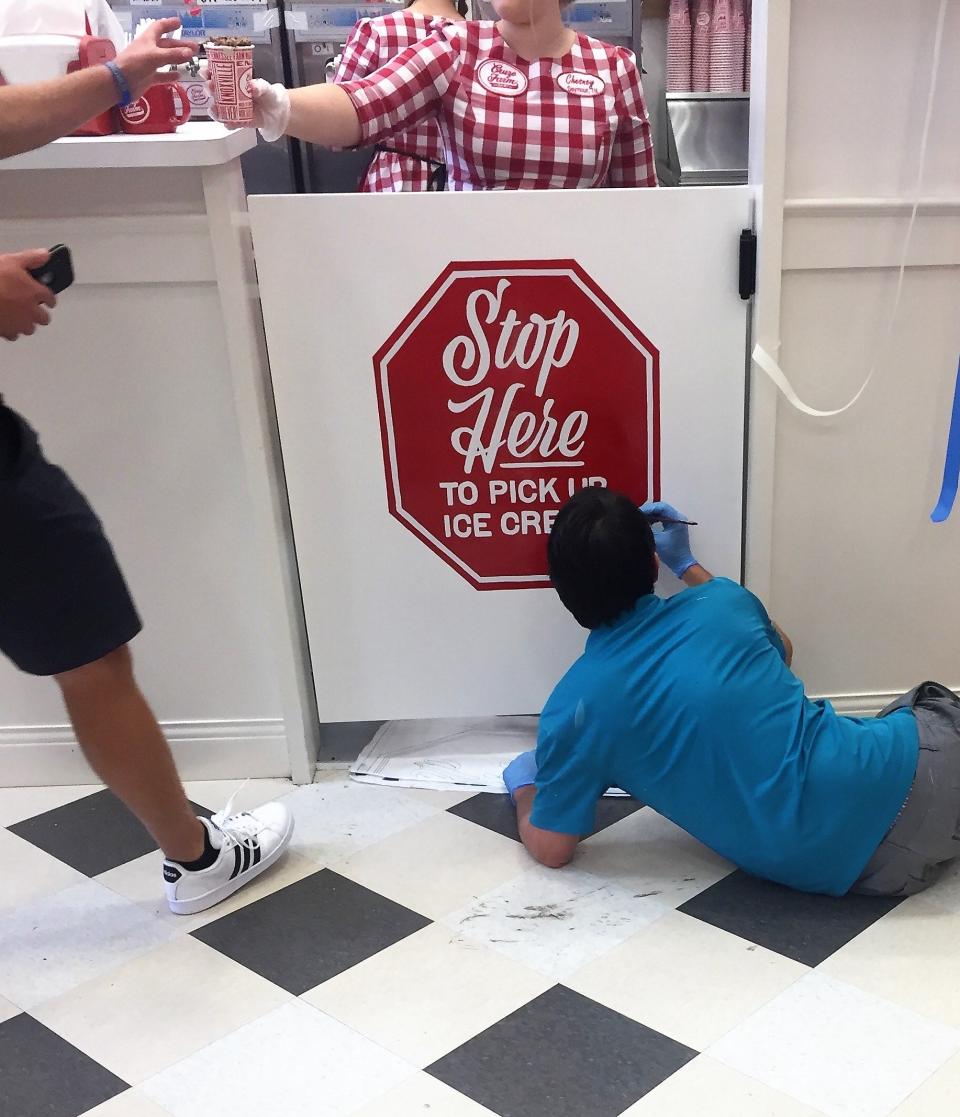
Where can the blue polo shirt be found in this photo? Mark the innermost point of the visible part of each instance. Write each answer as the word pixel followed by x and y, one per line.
pixel 687 704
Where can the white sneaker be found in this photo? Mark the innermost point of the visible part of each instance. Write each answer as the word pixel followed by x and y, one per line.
pixel 249 843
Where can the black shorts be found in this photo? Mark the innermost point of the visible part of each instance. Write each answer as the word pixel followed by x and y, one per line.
pixel 63 600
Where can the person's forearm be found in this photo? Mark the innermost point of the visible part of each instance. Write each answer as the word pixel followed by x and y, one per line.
pixel 523 797
pixel 324 114
pixel 35 114
pixel 549 848
pixel 697 575
pixel 787 644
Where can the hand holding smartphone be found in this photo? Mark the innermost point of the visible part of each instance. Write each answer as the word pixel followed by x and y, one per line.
pixel 57 272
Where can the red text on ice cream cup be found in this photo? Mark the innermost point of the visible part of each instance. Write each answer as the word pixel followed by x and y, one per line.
pixel 231 71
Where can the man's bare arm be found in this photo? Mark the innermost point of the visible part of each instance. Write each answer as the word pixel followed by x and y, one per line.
pixel 787 644
pixel 548 847
pixel 35 114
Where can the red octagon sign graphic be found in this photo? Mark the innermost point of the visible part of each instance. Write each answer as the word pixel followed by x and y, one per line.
pixel 507 388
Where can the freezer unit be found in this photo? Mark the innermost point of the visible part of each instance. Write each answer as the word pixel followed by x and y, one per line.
pixel 319 31
pixel 268 168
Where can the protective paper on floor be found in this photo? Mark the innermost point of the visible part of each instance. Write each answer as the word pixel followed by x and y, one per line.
pixel 446 754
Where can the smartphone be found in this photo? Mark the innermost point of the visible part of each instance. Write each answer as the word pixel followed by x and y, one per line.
pixel 57 272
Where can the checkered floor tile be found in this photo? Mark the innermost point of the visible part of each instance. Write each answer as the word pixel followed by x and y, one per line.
pixel 406 957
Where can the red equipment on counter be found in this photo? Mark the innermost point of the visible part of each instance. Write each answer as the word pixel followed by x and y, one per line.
pixel 41 57
pixel 94 52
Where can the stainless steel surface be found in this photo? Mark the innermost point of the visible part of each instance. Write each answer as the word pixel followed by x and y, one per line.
pixel 319 31
pixel 268 168
pixel 708 137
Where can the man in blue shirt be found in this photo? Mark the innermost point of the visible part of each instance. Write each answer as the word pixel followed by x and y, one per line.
pixel 688 703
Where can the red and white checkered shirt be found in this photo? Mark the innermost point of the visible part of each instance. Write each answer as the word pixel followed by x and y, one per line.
pixel 373 43
pixel 508 124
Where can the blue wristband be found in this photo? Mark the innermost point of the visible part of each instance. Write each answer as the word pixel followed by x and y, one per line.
pixel 126 96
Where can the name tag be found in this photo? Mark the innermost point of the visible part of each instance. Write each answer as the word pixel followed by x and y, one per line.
pixel 581 84
pixel 502 78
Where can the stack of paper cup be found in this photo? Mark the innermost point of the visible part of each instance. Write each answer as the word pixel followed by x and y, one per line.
pixel 231 71
pixel 678 47
pixel 746 52
pixel 700 47
pixel 739 15
pixel 724 75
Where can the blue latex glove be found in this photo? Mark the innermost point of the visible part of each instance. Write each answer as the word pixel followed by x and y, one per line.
pixel 672 540
pixel 521 772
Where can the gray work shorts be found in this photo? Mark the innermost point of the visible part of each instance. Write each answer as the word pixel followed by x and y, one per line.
pixel 926 835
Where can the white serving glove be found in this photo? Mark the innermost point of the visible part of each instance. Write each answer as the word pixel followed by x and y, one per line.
pixel 271 108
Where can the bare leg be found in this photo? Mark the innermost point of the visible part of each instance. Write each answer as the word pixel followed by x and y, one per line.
pixel 125 746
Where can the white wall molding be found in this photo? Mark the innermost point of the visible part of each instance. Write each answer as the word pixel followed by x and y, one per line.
pixel 40 755
pixel 770 59
pixel 927 207
pixel 847 233
pixel 864 705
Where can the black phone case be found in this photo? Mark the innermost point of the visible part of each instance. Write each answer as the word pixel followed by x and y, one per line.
pixel 57 272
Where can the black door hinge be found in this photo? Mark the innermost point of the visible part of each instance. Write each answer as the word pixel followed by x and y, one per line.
pixel 748 264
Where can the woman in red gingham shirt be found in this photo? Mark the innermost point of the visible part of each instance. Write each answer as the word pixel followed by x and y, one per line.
pixel 522 104
pixel 409 160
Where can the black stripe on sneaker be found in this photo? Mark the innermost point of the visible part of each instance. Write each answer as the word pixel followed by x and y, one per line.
pixel 237 861
pixel 256 854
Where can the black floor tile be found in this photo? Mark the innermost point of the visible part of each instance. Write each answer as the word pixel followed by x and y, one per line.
pixel 497 813
pixel 91 835
pixel 43 1075
pixel 798 925
pixel 561 1055
pixel 310 931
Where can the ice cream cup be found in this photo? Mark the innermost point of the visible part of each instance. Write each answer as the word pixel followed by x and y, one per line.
pixel 231 71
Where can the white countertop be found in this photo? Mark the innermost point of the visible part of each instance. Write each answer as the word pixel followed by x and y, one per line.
pixel 196 144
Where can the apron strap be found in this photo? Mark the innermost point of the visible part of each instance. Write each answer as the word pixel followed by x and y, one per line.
pixel 437 180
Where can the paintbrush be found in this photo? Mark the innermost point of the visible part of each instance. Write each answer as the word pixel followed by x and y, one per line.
pixel 667 521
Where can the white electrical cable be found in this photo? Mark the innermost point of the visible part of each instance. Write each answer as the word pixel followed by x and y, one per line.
pixel 763 359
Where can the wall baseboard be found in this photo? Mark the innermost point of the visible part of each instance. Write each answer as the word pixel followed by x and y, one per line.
pixel 864 705
pixel 44 755
pixel 48 755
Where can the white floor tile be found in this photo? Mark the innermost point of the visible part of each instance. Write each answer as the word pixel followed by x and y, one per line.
pixel 214 794
pixel 29 873
pixel 422 1096
pixel 474 861
pixel 837 1048
pixel 19 803
pixel 705 1088
pixel 152 1012
pixel 62 940
pixel 686 979
pixel 294 1062
pixel 7 1010
pixel 142 882
pixel 911 956
pixel 129 1104
pixel 428 994
pixel 946 892
pixel 645 853
pixel 939 1096
pixel 442 799
pixel 336 817
pixel 554 920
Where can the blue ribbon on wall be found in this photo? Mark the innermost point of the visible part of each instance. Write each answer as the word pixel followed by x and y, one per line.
pixel 951 465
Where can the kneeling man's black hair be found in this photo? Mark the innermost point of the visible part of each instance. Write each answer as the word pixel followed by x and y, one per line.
pixel 602 556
